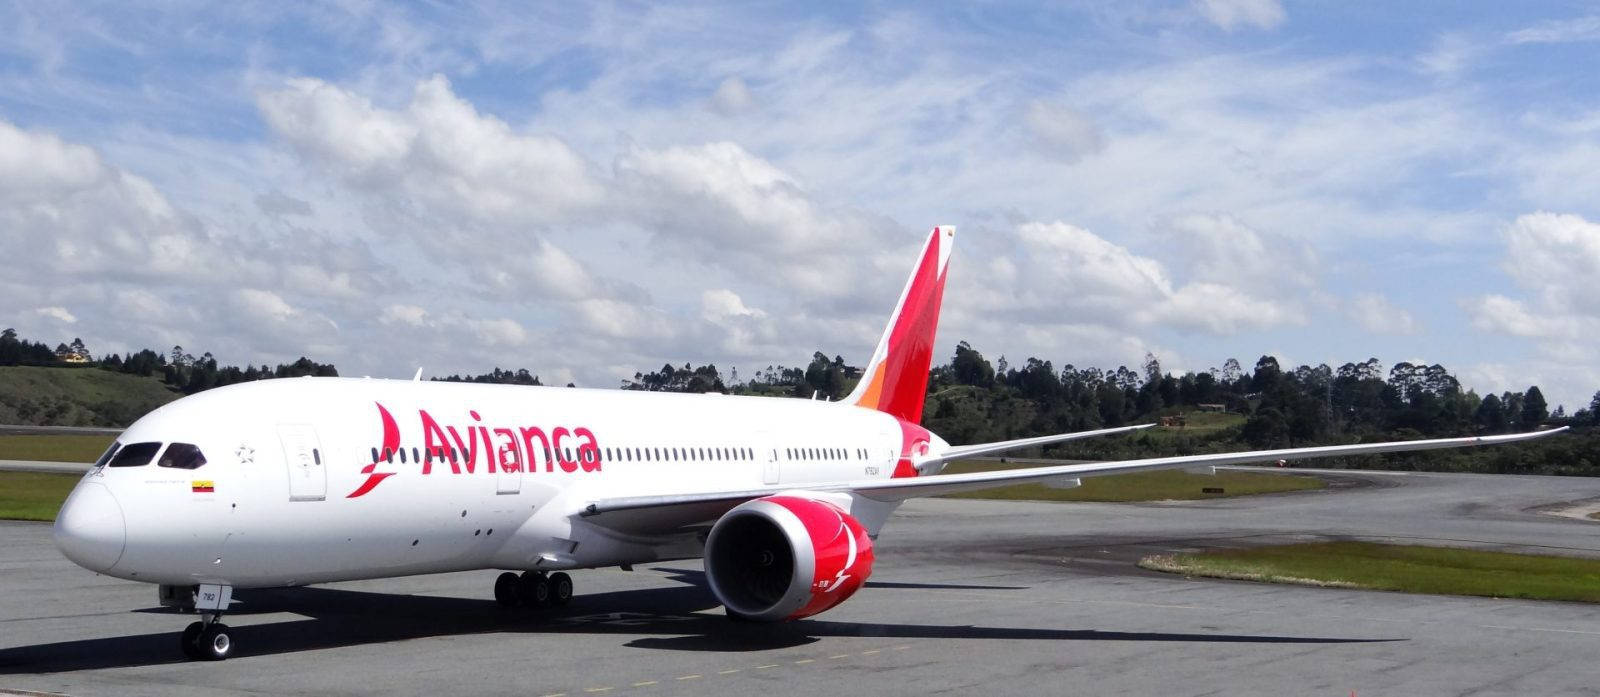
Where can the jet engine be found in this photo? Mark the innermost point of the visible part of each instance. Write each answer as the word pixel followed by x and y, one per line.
pixel 786 557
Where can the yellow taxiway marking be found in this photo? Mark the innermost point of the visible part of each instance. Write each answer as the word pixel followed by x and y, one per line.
pixel 804 661
pixel 729 671
pixel 842 655
pixel 596 689
pixel 689 677
pixel 900 648
pixel 556 694
pixel 769 665
pixel 870 652
pixel 646 683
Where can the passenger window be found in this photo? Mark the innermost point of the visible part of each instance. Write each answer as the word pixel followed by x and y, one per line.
pixel 135 455
pixel 182 456
pixel 316 455
pixel 106 456
pixel 374 454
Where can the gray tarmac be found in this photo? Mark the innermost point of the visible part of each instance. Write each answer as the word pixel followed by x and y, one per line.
pixel 966 596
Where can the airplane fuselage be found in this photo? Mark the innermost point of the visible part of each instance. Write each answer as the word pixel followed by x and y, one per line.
pixel 311 480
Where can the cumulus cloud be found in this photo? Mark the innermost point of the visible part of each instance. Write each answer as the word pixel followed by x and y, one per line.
pixel 59 314
pixel 1066 274
pixel 1552 257
pixel 439 149
pixel 1221 249
pixel 1229 14
pixel 1376 314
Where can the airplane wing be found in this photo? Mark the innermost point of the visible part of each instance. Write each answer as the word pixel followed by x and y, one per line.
pixel 709 505
pixel 962 452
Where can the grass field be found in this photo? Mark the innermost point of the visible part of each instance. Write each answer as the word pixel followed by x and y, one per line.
pixel 1139 486
pixel 54 448
pixel 1408 568
pixel 34 495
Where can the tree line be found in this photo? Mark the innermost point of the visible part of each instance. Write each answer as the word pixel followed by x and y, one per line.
pixel 177 368
pixel 971 399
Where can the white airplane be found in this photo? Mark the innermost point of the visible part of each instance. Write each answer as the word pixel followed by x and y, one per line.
pixel 313 480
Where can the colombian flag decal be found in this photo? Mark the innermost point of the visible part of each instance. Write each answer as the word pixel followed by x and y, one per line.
pixel 202 486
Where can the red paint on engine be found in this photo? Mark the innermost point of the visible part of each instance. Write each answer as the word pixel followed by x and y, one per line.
pixel 843 552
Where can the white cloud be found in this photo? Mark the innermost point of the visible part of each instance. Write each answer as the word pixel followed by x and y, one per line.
pixel 1228 14
pixel 1064 131
pixel 438 150
pixel 1376 314
pixel 262 305
pixel 732 97
pixel 409 315
pixel 1064 274
pixel 1558 31
pixel 59 314
pixel 721 304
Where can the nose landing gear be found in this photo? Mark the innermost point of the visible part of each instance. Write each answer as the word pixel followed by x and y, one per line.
pixel 533 589
pixel 208 639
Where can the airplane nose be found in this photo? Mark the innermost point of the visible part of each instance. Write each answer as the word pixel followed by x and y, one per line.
pixel 90 530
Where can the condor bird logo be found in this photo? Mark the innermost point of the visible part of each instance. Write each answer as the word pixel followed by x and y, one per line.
pixel 391 443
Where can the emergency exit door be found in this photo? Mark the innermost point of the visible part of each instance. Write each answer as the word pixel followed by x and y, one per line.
pixel 308 480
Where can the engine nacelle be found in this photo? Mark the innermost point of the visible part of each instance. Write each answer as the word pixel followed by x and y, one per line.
pixel 786 557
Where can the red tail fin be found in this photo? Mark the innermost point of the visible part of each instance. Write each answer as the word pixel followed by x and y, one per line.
pixel 896 381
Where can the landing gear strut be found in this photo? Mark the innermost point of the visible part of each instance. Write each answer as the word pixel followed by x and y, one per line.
pixel 533 589
pixel 208 639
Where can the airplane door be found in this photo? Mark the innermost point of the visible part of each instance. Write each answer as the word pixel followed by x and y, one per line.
pixel 508 477
pixel 771 468
pixel 308 481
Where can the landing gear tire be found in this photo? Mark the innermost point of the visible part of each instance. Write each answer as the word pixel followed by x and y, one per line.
pixel 505 590
pixel 190 641
pixel 204 642
pixel 560 588
pixel 215 643
pixel 534 589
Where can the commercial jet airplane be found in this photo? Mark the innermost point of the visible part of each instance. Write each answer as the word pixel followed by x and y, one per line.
pixel 313 480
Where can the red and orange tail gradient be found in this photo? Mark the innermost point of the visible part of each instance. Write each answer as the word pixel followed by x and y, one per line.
pixel 896 380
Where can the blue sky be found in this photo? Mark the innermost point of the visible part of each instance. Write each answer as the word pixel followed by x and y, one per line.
pixel 587 190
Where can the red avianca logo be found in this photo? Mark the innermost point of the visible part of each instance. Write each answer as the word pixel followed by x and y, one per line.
pixel 515 449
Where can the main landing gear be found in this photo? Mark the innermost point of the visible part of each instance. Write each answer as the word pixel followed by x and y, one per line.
pixel 533 589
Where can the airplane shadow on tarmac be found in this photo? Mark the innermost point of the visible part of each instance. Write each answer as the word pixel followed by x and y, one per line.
pixel 349 618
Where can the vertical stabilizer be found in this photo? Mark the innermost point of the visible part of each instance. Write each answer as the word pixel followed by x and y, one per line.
pixel 896 380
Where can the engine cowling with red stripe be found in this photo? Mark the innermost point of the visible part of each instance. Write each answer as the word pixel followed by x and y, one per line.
pixel 786 557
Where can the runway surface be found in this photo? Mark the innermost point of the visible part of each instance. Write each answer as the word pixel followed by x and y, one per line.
pixel 967 596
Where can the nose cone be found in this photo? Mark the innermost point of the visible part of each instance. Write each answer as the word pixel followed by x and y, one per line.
pixel 90 529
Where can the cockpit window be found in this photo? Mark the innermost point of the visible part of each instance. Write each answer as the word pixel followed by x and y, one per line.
pixel 182 456
pixel 107 456
pixel 134 455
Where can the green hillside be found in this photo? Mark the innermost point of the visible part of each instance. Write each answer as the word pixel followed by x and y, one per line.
pixel 77 396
